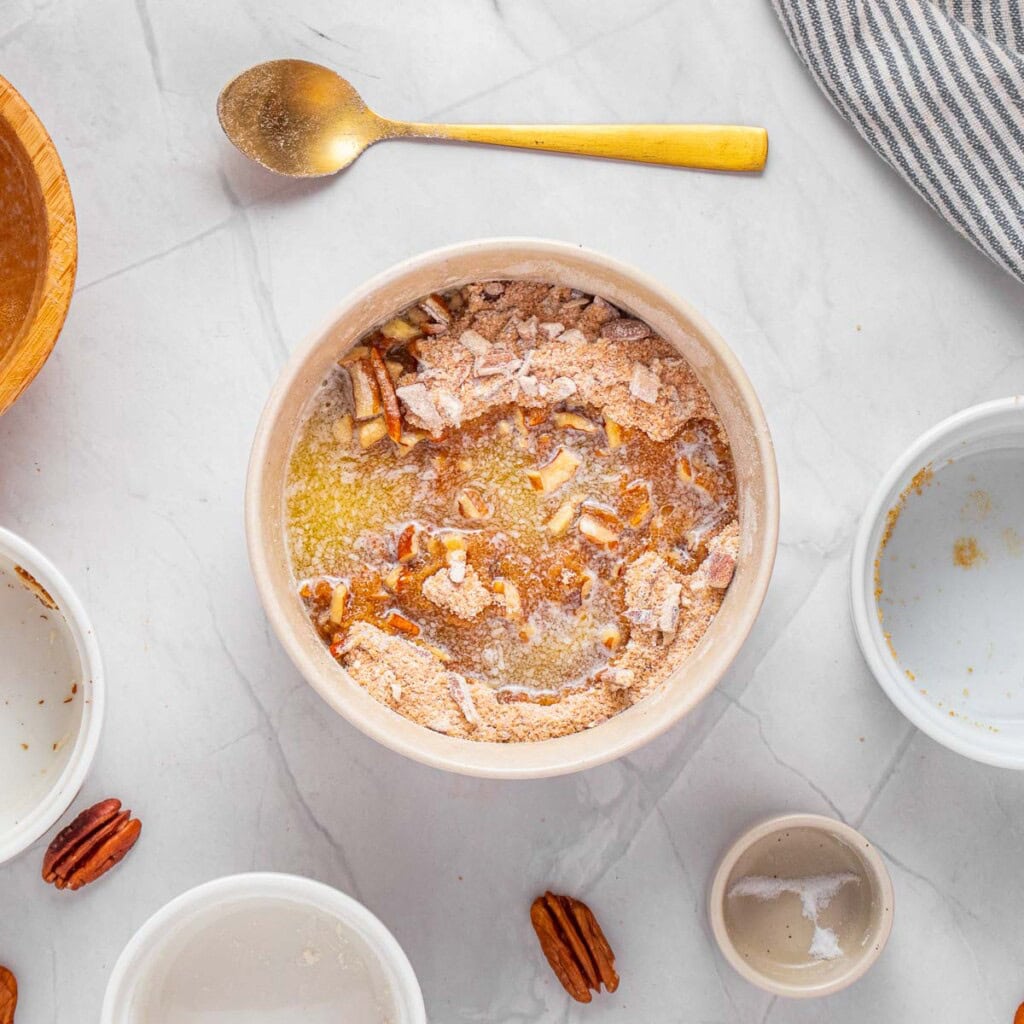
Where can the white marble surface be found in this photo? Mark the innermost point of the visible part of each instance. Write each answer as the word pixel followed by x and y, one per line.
pixel 860 317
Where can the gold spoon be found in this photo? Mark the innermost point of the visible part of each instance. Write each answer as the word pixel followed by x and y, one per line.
pixel 304 120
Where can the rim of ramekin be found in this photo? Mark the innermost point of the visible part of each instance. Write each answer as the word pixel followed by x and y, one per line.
pixel 60 796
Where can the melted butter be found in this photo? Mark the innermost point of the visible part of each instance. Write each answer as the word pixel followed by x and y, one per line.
pixel 346 509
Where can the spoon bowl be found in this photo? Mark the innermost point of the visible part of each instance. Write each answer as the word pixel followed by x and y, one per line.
pixel 306 121
pixel 296 118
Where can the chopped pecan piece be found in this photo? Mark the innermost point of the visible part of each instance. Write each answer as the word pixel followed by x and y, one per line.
pixel 338 598
pixel 437 309
pixel 399 330
pixel 472 504
pixel 91 845
pixel 558 471
pixel 513 601
pixel 364 389
pixel 398 623
pixel 8 996
pixel 613 431
pixel 371 432
pixel 598 528
pixel 388 398
pixel 574 945
pixel 560 521
pixel 625 329
pixel 408 543
pixel 720 567
pixel 574 421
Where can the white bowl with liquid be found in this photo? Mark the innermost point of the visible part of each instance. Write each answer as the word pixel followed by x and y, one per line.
pixel 937 583
pixel 51 695
pixel 263 948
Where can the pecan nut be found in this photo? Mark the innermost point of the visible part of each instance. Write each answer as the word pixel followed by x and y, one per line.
pixel 91 845
pixel 8 996
pixel 574 945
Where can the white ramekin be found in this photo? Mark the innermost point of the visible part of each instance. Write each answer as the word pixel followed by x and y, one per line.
pixel 65 787
pixel 952 718
pixel 676 321
pixel 147 950
pixel 856 964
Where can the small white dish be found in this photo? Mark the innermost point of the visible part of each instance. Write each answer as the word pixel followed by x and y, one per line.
pixel 267 949
pixel 801 905
pixel 937 583
pixel 51 695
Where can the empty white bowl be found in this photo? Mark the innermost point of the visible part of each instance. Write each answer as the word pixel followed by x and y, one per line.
pixel 267 949
pixel 51 695
pixel 938 583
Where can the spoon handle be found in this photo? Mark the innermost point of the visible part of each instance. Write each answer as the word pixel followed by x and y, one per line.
pixel 716 147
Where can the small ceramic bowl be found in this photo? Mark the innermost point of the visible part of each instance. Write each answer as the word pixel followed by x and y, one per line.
pixel 38 245
pixel 801 905
pixel 731 392
pixel 260 947
pixel 51 695
pixel 936 590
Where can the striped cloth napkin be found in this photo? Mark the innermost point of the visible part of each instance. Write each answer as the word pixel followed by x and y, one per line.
pixel 937 88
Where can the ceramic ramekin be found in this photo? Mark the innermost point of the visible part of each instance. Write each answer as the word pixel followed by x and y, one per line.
pixel 89 697
pixel 836 975
pixel 149 951
pixel 730 390
pixel 941 632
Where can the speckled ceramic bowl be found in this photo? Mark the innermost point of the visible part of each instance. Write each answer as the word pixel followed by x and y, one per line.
pixel 674 320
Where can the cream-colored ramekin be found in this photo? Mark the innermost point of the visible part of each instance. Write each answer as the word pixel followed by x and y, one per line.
pixel 144 962
pixel 857 960
pixel 730 390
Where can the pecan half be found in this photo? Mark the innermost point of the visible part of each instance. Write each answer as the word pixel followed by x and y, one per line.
pixel 8 996
pixel 91 845
pixel 392 412
pixel 574 945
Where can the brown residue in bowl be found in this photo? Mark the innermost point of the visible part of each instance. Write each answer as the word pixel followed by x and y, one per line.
pixel 921 479
pixel 31 583
pixel 967 553
pixel 977 507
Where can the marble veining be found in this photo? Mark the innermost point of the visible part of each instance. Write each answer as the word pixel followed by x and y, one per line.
pixel 859 316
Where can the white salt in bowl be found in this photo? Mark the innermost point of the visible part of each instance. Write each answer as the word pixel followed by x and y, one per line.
pixel 681 326
pixel 51 695
pixel 772 970
pixel 267 949
pixel 937 583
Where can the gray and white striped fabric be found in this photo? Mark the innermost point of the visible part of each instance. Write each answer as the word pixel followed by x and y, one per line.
pixel 937 88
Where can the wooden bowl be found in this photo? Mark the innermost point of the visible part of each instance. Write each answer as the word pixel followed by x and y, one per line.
pixel 38 245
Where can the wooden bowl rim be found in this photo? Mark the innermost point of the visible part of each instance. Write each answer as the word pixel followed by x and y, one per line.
pixel 47 319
